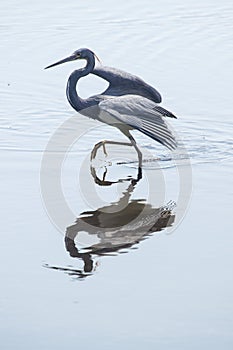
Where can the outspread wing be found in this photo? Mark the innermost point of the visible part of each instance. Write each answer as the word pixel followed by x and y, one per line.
pixel 141 114
pixel 122 83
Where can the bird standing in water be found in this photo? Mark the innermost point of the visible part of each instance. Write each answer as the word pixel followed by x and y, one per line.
pixel 128 103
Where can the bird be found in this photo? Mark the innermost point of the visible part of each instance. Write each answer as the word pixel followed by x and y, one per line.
pixel 128 103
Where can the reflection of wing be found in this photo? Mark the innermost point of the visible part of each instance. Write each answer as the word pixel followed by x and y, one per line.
pixel 119 229
pixel 141 114
pixel 122 83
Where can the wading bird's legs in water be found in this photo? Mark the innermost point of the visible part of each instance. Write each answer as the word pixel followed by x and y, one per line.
pixel 103 143
pixel 133 143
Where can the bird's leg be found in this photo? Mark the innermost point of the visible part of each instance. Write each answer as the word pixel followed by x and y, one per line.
pixel 103 143
pixel 133 142
pixel 104 148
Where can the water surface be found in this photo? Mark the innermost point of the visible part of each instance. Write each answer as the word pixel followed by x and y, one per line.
pixel 168 286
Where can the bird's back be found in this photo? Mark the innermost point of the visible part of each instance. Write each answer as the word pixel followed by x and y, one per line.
pixel 123 83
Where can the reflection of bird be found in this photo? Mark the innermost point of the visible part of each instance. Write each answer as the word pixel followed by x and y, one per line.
pixel 118 225
pixel 128 103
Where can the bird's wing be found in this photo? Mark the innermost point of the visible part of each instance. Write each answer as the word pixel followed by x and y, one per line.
pixel 141 114
pixel 122 83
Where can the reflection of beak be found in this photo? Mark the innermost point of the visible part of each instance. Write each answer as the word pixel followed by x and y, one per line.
pixel 67 59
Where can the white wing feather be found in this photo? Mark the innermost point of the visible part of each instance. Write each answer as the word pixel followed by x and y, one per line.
pixel 141 114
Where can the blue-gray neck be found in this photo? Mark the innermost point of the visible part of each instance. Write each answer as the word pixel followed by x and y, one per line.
pixel 76 101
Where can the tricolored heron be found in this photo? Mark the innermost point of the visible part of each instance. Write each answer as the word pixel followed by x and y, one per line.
pixel 128 103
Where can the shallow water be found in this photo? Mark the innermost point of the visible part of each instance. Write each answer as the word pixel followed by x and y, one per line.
pixel 163 279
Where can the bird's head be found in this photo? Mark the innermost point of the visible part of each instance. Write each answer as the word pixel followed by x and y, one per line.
pixel 79 54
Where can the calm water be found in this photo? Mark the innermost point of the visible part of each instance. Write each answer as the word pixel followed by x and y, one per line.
pixel 167 282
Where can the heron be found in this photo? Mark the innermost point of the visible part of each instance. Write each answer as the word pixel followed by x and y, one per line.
pixel 128 103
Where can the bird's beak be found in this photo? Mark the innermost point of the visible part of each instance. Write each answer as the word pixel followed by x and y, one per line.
pixel 67 59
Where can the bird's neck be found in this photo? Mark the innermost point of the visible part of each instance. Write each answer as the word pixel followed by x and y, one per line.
pixel 76 101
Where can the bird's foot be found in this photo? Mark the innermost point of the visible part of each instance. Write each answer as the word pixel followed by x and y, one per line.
pixel 96 147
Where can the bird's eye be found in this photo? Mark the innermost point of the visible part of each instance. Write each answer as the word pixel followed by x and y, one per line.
pixel 76 55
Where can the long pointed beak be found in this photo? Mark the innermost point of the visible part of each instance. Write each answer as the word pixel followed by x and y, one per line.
pixel 67 59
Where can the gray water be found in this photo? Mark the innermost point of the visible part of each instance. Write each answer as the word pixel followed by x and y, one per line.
pixel 167 287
